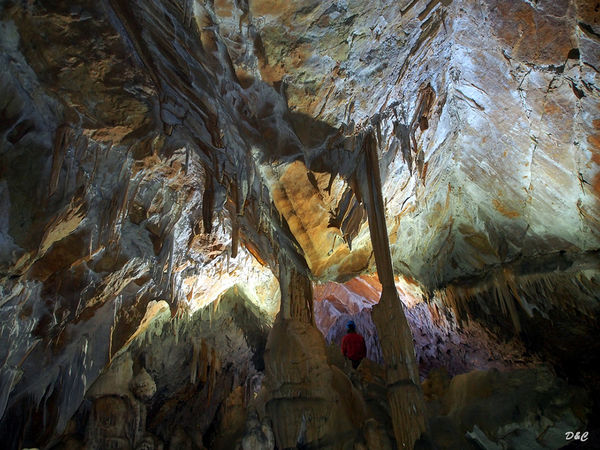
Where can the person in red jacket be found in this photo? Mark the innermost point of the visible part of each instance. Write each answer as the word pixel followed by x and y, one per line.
pixel 353 345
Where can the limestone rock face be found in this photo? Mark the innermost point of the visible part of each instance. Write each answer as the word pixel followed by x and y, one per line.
pixel 178 384
pixel 143 386
pixel 157 155
pixel 527 408
pixel 487 116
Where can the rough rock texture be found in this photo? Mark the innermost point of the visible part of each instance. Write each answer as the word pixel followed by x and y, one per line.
pixel 523 408
pixel 102 212
pixel 259 435
pixel 311 403
pixel 483 143
pixel 527 408
pixel 440 341
pixel 143 386
pixel 164 150
pixel 178 384
pixel 402 372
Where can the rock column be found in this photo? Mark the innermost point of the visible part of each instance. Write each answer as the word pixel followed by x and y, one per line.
pixel 296 293
pixel 310 404
pixel 404 389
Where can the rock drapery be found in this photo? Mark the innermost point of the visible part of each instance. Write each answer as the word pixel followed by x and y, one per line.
pixel 163 150
pixel 199 379
pixel 440 340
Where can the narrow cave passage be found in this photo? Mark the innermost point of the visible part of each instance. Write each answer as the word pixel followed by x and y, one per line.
pixel 197 196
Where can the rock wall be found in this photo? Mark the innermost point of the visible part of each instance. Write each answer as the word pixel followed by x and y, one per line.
pixel 104 210
pixel 487 117
pixel 156 150
pixel 527 408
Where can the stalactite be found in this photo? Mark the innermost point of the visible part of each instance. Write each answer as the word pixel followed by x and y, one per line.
pixel 510 293
pixel 170 267
pixel 426 99
pixel 348 217
pixel 122 212
pixel 117 211
pixel 208 203
pixel 235 224
pixel 235 236
pixel 214 366
pixel 402 132
pixel 61 143
pixel 404 390
pixel 203 362
pixel 195 361
pixel 90 181
pixel 187 160
pixel 246 181
pixel 81 145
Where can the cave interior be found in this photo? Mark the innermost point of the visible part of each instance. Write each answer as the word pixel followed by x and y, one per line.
pixel 196 196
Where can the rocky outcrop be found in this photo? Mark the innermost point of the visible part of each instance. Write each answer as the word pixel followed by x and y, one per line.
pixel 527 408
pixel 179 384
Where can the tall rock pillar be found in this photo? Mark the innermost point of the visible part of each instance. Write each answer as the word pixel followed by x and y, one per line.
pixel 404 389
pixel 310 403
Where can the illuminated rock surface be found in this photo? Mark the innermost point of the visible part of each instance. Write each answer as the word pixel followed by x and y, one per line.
pixel 174 174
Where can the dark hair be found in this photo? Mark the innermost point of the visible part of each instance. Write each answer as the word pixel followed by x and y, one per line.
pixel 351 326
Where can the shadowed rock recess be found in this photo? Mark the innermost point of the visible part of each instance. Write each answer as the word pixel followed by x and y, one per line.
pixel 197 195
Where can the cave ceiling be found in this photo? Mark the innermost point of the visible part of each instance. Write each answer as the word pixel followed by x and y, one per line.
pixel 169 150
pixel 486 115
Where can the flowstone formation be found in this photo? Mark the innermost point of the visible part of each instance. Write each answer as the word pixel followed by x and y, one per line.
pixel 184 383
pixel 182 180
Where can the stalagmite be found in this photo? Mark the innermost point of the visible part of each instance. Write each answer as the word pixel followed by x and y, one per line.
pixel 309 402
pixel 404 390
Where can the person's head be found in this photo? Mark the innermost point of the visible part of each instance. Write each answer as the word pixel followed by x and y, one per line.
pixel 351 326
